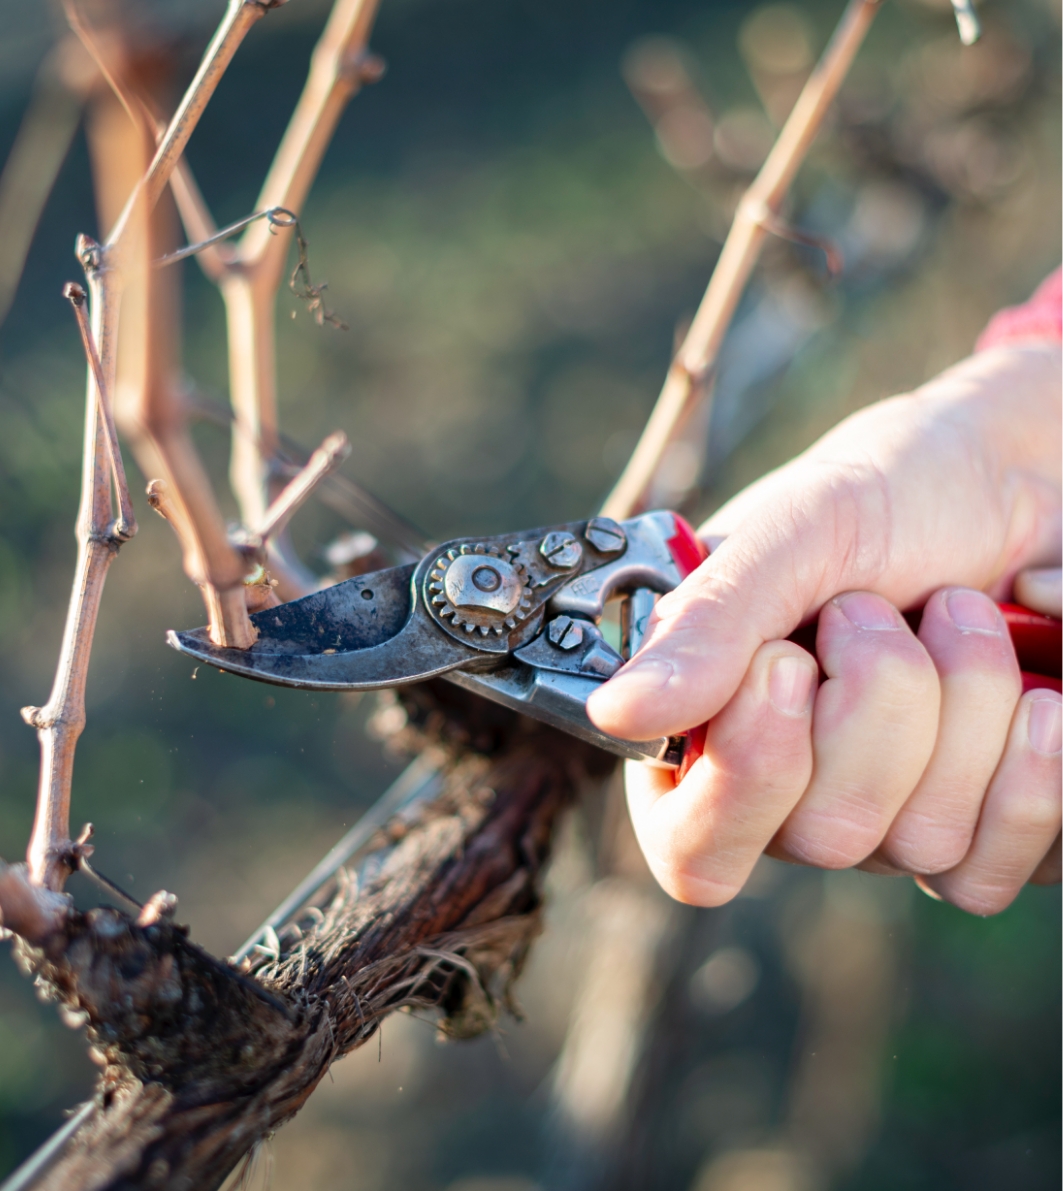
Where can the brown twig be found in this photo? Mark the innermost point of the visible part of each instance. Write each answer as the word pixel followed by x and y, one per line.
pixel 126 525
pixel 325 459
pixel 240 16
pixel 154 418
pixel 339 66
pixel 688 383
pixel 61 720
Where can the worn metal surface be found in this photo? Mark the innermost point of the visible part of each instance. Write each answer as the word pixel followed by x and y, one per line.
pixel 475 610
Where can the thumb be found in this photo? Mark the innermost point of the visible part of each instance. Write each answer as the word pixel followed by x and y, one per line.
pixel 806 535
pixel 702 637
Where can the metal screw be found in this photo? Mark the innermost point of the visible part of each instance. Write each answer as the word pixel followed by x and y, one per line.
pixel 486 579
pixel 564 632
pixel 605 535
pixel 561 550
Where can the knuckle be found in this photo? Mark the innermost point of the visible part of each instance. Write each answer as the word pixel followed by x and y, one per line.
pixel 926 855
pixel 839 848
pixel 689 875
pixel 980 897
pixel 907 666
pixel 1021 816
pixel 693 889
pixel 895 663
pixel 926 844
pixel 763 766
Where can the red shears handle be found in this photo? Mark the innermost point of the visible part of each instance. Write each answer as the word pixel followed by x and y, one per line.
pixel 1037 639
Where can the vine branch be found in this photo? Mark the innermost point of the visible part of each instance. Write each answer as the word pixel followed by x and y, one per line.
pixel 689 381
pixel 61 720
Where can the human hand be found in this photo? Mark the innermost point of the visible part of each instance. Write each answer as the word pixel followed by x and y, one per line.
pixel 917 754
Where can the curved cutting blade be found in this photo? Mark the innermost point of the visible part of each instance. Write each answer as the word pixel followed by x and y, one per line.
pixel 360 635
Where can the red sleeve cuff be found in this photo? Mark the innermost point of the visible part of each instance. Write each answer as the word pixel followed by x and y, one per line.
pixel 1039 318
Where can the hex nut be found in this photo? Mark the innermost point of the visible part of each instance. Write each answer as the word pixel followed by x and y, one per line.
pixel 561 550
pixel 564 632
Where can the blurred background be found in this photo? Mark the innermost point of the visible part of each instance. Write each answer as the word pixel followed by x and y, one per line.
pixel 513 224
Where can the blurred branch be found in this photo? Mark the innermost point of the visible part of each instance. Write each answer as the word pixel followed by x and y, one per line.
pixel 151 414
pixel 357 505
pixel 100 56
pixel 339 66
pixel 689 383
pixel 197 219
pixel 234 27
pixel 32 166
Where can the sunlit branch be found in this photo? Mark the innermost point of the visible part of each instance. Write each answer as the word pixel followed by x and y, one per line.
pixel 689 381
pixel 238 19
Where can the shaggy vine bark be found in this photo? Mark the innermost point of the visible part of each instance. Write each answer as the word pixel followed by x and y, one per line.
pixel 199 1061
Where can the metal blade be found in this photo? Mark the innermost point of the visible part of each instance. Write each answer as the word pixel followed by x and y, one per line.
pixel 360 635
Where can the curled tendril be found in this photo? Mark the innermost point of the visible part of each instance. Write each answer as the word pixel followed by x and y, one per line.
pixel 300 282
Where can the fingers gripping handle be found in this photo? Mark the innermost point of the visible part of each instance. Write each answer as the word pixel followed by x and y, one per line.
pixel 1037 639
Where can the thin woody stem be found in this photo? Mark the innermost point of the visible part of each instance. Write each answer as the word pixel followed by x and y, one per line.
pixel 209 556
pixel 325 459
pixel 234 27
pixel 688 382
pixel 61 720
pixel 339 67
pixel 126 525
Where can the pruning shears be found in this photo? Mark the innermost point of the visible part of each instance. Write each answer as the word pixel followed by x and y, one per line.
pixel 518 619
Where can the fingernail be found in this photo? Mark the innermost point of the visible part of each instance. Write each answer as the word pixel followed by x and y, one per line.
pixel 790 685
pixel 972 612
pixel 1044 726
pixel 867 611
pixel 924 884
